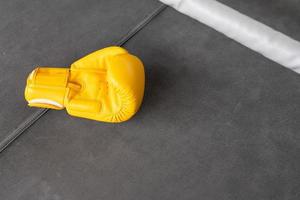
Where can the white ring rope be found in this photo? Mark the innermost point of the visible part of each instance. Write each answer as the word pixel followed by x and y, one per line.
pixel 243 29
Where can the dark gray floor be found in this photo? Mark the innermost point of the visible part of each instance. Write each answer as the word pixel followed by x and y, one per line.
pixel 218 122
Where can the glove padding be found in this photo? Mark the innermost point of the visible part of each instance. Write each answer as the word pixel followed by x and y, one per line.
pixel 107 85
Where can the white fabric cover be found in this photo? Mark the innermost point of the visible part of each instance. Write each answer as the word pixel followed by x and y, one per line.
pixel 243 29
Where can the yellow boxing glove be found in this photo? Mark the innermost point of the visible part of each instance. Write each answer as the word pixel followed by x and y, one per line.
pixel 107 85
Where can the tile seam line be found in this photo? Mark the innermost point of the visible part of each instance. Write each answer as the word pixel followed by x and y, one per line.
pixel 29 121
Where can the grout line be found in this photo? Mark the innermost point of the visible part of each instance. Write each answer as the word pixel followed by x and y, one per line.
pixel 141 25
pixel 38 114
pixel 21 128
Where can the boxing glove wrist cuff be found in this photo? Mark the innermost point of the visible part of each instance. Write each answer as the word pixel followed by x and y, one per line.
pixel 47 87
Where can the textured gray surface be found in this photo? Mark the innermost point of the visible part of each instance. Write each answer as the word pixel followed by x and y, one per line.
pixel 55 33
pixel 218 122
